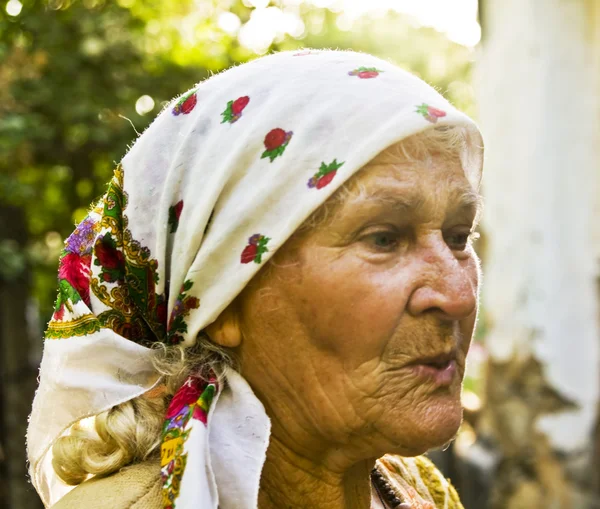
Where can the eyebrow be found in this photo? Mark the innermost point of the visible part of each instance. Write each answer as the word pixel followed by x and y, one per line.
pixel 464 201
pixel 469 201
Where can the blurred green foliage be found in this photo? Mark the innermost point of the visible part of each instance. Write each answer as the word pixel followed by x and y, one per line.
pixel 72 70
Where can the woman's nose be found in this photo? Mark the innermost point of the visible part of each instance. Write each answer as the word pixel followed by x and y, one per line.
pixel 444 285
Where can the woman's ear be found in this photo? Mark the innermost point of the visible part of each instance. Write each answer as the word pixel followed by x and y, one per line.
pixel 225 330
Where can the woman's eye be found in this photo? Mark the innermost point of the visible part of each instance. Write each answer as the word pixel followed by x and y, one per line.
pixel 459 241
pixel 382 241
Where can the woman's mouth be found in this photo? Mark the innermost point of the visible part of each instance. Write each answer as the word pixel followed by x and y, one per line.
pixel 440 369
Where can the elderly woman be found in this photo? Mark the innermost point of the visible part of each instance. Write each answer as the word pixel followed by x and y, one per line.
pixel 272 305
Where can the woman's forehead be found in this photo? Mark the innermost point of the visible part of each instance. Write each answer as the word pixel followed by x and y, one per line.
pixel 393 168
pixel 411 184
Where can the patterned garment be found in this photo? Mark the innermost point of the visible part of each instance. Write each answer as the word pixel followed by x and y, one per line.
pixel 218 182
pixel 418 482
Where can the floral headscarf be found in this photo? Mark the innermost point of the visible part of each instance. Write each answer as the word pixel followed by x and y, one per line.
pixel 217 183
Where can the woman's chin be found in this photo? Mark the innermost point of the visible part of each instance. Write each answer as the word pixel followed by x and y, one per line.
pixel 427 427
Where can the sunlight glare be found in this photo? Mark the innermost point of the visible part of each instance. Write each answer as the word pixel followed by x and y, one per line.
pixel 292 24
pixel 13 7
pixel 344 22
pixel 269 24
pixel 259 33
pixel 457 19
pixel 144 105
pixel 471 401
pixel 229 22
pixel 259 4
pixel 322 3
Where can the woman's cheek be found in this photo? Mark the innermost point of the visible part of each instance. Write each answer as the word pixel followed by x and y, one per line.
pixel 467 325
pixel 373 312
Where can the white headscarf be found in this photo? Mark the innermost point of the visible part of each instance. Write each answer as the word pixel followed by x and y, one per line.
pixel 199 204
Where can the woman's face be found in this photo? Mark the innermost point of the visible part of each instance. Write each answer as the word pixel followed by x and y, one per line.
pixel 355 337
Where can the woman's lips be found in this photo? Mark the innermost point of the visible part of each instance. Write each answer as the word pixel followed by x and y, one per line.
pixel 440 369
pixel 442 374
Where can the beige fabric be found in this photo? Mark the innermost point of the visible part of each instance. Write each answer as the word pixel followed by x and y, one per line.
pixel 135 487
pixel 415 480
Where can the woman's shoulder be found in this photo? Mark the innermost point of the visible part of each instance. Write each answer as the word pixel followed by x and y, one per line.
pixel 134 487
pixel 418 480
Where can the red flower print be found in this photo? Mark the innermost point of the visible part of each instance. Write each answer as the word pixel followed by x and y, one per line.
pixel 249 253
pixel 239 104
pixel 178 209
pixel 434 112
pixel 76 270
pixel 59 313
pixel 199 414
pixel 161 312
pixel 368 74
pixel 72 272
pixel 365 72
pixel 233 110
pixel 325 174
pixel 183 305
pixel 326 179
pixel 109 257
pixel 175 339
pixel 430 113
pixel 305 53
pixel 275 138
pixel 190 303
pixel 257 246
pixel 174 215
pixel 186 104
pixel 275 142
pixel 187 395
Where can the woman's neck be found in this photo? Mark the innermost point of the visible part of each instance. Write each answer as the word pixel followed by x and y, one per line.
pixel 292 481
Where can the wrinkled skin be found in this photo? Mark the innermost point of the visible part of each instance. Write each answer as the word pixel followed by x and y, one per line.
pixel 326 334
